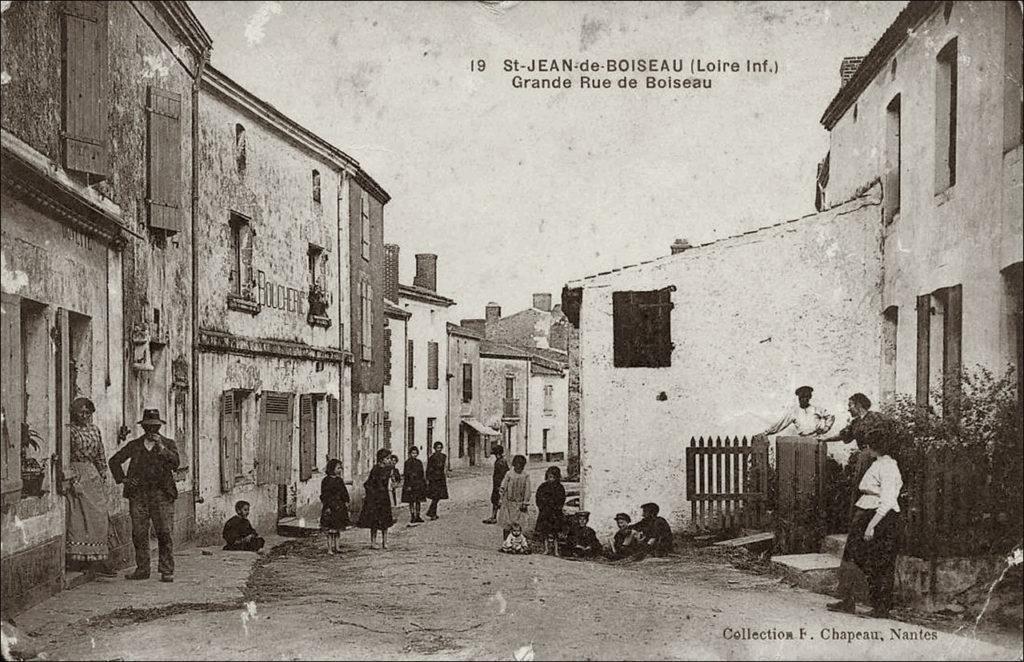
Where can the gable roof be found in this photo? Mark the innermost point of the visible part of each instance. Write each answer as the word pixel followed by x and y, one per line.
pixel 391 310
pixel 498 350
pixel 418 293
pixel 456 330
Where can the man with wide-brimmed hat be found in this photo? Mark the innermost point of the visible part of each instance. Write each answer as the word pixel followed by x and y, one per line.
pixel 150 490
pixel 808 420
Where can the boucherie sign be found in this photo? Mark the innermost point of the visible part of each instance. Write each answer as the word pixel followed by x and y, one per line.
pixel 278 295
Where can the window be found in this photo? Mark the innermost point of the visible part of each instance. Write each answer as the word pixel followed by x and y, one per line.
pixel 317 297
pixel 890 328
pixel 467 382
pixel 164 160
pixel 85 86
pixel 510 387
pixel 1013 99
pixel 432 368
pixel 549 399
pixel 241 276
pixel 387 356
pixel 892 160
pixel 641 328
pixel 316 186
pixel 410 431
pixel 410 365
pixel 231 472
pixel 364 215
pixel 939 339
pixel 387 429
pixel 430 432
pixel 240 156
pixel 307 435
pixel 945 117
pixel 544 442
pixel 333 428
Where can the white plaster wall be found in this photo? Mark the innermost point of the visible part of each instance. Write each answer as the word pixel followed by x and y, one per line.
pixel 429 323
pixel 754 317
pixel 557 421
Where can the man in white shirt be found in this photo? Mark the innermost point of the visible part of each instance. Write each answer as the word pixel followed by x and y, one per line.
pixel 807 419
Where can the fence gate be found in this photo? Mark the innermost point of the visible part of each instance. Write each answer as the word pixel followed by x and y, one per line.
pixel 727 482
pixel 800 513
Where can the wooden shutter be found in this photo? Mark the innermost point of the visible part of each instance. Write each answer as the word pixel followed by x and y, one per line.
pixel 12 395
pixel 387 356
pixel 467 382
pixel 410 364
pixel 333 427
pixel 432 352
pixel 657 314
pixel 275 449
pixel 63 369
pixel 410 432
pixel 624 314
pixel 307 437
pixel 924 321
pixel 85 69
pixel 229 432
pixel 164 160
pixel 387 430
pixel 952 328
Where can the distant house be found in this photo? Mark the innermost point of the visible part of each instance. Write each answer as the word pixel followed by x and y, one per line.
pixel 469 440
pixel 396 333
pixel 541 326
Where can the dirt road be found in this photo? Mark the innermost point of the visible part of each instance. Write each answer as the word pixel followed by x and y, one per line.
pixel 442 591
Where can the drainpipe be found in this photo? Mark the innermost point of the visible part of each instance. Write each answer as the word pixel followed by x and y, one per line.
pixel 204 58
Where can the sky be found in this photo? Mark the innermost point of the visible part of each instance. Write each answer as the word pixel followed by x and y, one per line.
pixel 522 190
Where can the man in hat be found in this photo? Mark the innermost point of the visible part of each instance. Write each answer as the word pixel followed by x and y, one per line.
pixel 808 420
pixel 150 490
pixel 500 469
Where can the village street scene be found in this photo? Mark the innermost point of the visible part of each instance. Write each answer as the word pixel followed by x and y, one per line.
pixel 511 330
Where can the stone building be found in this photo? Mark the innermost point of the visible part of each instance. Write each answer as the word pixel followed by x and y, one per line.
pixel 934 112
pixel 98 122
pixel 541 326
pixel 273 308
pixel 426 358
pixel 468 438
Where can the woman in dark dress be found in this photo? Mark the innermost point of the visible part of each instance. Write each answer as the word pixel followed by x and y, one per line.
pixel 437 482
pixel 414 487
pixel 334 511
pixel 550 499
pixel 376 512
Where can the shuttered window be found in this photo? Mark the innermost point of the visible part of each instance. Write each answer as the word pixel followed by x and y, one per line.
pixel 432 358
pixel 924 323
pixel 366 339
pixel 431 422
pixel 364 215
pixel 952 327
pixel 387 430
pixel 85 79
pixel 410 365
pixel 274 456
pixel 164 160
pixel 307 436
pixel 410 431
pixel 467 382
pixel 230 439
pixel 642 328
pixel 333 428
pixel 12 395
pixel 387 356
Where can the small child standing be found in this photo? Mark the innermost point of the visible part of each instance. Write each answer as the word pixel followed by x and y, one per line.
pixel 239 536
pixel 395 480
pixel 516 542
pixel 334 497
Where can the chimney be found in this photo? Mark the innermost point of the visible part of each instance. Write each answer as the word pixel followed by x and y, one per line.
pixel 492 314
pixel 542 302
pixel 848 68
pixel 426 271
pixel 391 272
pixel 679 245
pixel 474 325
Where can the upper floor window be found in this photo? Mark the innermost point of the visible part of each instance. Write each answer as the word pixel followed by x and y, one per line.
pixel 432 365
pixel 240 148
pixel 242 278
pixel 316 186
pixel 642 328
pixel 319 300
pixel 945 117
pixel 85 87
pixel 467 382
pixel 364 215
pixel 549 399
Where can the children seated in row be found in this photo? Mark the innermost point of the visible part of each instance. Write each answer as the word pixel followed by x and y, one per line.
pixel 651 535
pixel 239 534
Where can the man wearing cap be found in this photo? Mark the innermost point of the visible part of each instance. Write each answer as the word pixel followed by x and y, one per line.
pixel 808 420
pixel 150 490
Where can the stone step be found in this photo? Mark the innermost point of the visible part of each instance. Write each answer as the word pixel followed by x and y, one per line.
pixel 757 542
pixel 815 572
pixel 834 544
pixel 297 527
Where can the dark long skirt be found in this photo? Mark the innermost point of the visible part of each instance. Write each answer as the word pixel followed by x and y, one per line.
pixel 875 558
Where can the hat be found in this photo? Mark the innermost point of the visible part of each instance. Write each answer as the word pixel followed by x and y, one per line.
pixel 623 516
pixel 582 513
pixel 650 506
pixel 804 390
pixel 151 417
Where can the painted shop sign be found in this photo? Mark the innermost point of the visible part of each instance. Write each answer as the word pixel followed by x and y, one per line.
pixel 277 295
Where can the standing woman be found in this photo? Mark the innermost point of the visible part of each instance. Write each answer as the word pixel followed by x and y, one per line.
pixel 871 544
pixel 437 482
pixel 414 486
pixel 514 497
pixel 376 513
pixel 87 499
pixel 550 499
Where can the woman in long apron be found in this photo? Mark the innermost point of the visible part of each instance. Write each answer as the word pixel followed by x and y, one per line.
pixel 88 523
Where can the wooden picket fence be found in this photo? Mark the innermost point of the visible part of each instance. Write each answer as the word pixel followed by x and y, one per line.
pixel 727 482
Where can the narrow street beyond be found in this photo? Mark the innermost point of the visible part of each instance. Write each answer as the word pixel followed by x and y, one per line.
pixel 442 591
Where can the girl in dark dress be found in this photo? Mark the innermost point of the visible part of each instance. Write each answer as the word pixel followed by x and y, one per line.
pixel 550 499
pixel 376 512
pixel 414 487
pixel 334 497
pixel 437 482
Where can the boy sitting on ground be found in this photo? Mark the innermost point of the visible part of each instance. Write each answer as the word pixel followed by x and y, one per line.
pixel 581 540
pixel 239 534
pixel 626 542
pixel 655 531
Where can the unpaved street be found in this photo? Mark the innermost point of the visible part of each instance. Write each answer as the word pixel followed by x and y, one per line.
pixel 443 591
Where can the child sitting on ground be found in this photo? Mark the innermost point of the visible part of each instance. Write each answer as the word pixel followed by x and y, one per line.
pixel 516 542
pixel 239 534
pixel 581 540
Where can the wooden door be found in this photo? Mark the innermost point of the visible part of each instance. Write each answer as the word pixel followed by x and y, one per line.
pixel 274 452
